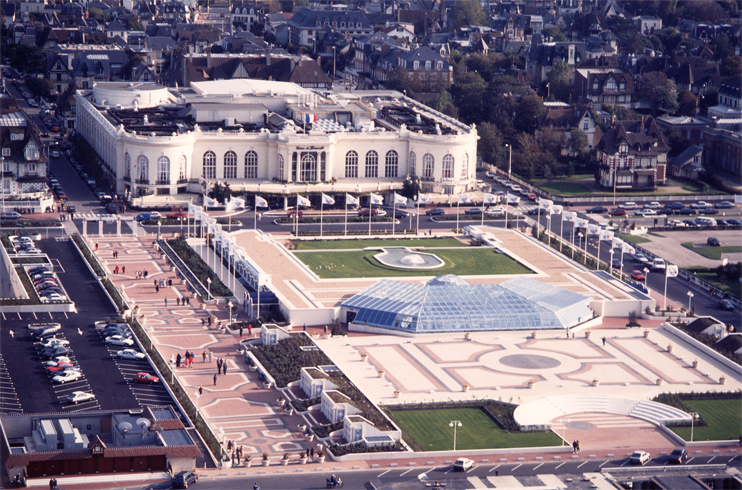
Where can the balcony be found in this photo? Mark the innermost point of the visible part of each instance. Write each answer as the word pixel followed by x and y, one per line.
pixel 162 182
pixel 427 179
pixel 143 181
pixel 182 181
pixel 127 179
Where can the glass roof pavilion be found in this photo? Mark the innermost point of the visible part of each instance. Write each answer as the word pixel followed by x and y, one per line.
pixel 450 304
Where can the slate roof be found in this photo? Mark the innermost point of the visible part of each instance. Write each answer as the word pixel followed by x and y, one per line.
pixel 309 72
pixel 29 131
pixel 685 159
pixel 545 54
pixel 639 140
pixel 309 18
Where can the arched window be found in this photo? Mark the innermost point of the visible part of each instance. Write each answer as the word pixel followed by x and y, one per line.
pixel 428 165
pixel 351 165
pixel 281 168
pixel 308 168
pixel 230 165
pixel 448 167
pixel 209 165
pixel 392 164
pixel 465 166
pixel 372 164
pixel 413 165
pixel 127 165
pixel 182 169
pixel 163 170
pixel 143 169
pixel 251 165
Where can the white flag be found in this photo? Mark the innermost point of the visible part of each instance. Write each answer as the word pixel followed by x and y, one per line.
pixel 464 198
pixel 627 248
pixel 569 216
pixel 557 209
pixel 351 201
pixel 210 202
pixel 302 201
pixel 593 229
pixel 423 198
pixel 545 203
pixel 490 198
pixel 606 235
pixel 260 202
pixel 376 199
pixel 237 202
pixel 327 200
pixel 399 199
pixel 191 211
pixel 581 222
pixel 672 271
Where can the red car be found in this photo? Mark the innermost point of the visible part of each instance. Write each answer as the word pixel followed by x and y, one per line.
pixel 618 212
pixel 145 378
pixel 637 275
pixel 177 216
pixel 293 213
pixel 59 367
pixel 532 196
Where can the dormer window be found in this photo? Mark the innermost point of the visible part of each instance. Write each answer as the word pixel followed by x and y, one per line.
pixel 623 85
pixel 427 65
pixel 416 65
pixel 596 85
pixel 439 66
pixel 623 149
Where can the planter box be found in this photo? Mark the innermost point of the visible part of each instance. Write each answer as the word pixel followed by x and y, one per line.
pixel 266 462
pixel 284 462
pixel 596 382
pixel 380 374
pixel 397 394
pixel 695 364
pixel 587 334
pixel 530 385
pixel 364 357
pixel 302 460
pixel 646 334
pixel 309 437
pixel 670 348
pixel 321 459
pixel 267 385
pixel 465 388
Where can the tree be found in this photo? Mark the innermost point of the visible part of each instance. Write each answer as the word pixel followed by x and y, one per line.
pixel 467 13
pixel 400 80
pixel 661 92
pixel 443 102
pixel 40 86
pixel 485 65
pixel 731 66
pixel 553 34
pixel 491 145
pixel 687 103
pixel 635 43
pixel 26 58
pixel 704 11
pixel 578 144
pixel 558 79
pixel 529 108
pixel 468 95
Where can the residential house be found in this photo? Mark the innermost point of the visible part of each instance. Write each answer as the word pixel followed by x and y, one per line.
pixel 116 28
pixel 632 157
pixel 175 12
pixel 428 68
pixel 306 23
pixel 24 164
pixel 609 86
pixel 278 25
pixel 543 55
pixel 143 73
pixel 512 26
pixel 688 164
pixel 86 65
pixel 566 119
pixel 647 25
pixel 32 6
pixel 722 150
pixel 404 31
pixel 245 14
pixel 309 74
pixel 730 100
pixel 8 11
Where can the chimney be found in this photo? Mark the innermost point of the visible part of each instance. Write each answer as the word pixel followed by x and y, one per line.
pixel 268 56
pixel 185 64
pixel 208 59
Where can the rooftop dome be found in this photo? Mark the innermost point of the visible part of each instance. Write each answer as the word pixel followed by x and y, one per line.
pixel 447 280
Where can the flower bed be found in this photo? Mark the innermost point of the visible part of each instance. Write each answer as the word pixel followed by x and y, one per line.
pixel 361 447
pixel 324 430
pixel 29 224
pixel 196 267
pixel 303 404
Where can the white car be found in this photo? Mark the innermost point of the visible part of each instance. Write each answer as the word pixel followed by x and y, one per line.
pixel 645 212
pixel 52 297
pixel 58 360
pixel 130 354
pixel 628 205
pixel 700 205
pixel 676 223
pixel 653 205
pixel 515 188
pixel 641 258
pixel 54 342
pixel 80 396
pixel 119 340
pixel 489 174
pixel 67 376
pixel 463 464
pixel 640 457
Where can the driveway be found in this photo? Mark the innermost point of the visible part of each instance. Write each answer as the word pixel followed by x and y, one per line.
pixel 668 245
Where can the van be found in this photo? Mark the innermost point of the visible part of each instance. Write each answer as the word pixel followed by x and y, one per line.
pixel 705 221
pixel 658 265
pixel 148 216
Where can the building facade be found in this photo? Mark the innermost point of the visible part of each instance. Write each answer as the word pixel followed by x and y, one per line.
pixel 154 140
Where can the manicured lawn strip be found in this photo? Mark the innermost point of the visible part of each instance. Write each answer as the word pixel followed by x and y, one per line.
pixel 723 418
pixel 561 188
pixel 634 238
pixel 731 286
pixel 360 244
pixel 713 253
pixel 464 262
pixel 430 430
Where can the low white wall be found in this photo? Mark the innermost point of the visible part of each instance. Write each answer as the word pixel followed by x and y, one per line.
pixel 452 454
pixel 40 308
pixel 309 316
pixel 620 308
pixel 679 334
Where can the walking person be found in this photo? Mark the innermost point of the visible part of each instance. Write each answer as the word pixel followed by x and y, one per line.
pixel 211 356
pixel 204 355
pixel 200 390
pixel 240 331
pixel 603 339
pixel 165 302
pixel 177 361
pixel 177 301
pixel 224 367
pixel 123 269
pixel 249 330
pixel 215 380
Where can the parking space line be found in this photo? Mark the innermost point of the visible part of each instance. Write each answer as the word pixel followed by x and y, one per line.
pixel 493 469
pixel 583 464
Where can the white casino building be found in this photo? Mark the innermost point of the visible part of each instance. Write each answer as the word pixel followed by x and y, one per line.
pixel 156 140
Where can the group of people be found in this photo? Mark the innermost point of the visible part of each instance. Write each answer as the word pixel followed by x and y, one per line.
pixel 576 447
pixel 141 274
pixel 116 269
pixel 186 360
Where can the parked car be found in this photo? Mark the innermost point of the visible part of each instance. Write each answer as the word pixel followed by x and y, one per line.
pixel 435 212
pixel 725 304
pixel 637 275
pixel 463 464
pixel 676 223
pixel 178 216
pixel 67 376
pixel 399 214
pixel 699 205
pixel 640 457
pixel 652 205
pixel 687 212
pixel 678 456
pixel 708 211
pixel 516 188
pixel 723 205
pixel 55 341
pixel 183 479
pixel 80 396
pixel 131 354
pixel 645 212
pixel 658 265
pixel 641 258
pixel 57 370
pixel 675 205
pixel 713 242
pixel 119 340
pixel 628 205
pixel 531 196
pixel 734 222
pixel 596 210
pixel 10 215
pixel 489 174
pixel 617 212
pixel 145 378
pixel 472 211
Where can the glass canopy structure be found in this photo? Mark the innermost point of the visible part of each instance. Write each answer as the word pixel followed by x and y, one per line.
pixel 450 304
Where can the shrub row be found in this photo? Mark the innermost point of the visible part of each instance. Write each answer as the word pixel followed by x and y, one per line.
pixel 303 404
pixel 29 224
pixel 361 447
pixel 324 430
pixel 711 341
pixel 94 264
pixel 399 232
pixel 198 267
pixel 33 297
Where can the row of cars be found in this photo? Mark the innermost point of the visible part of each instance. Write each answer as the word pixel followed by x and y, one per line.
pixel 25 93
pixel 515 188
pixel 47 285
pixel 120 334
pixel 24 245
pixel 655 208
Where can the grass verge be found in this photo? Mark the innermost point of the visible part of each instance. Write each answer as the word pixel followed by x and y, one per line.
pixel 469 261
pixel 731 286
pixel 361 243
pixel 429 430
pixel 722 416
pixel 634 238
pixel 713 253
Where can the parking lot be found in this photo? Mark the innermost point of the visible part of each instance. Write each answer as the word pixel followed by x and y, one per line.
pixel 24 383
pixel 669 244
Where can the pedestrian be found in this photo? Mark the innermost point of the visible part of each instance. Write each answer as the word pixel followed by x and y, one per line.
pixel 325 329
pixel 170 282
pixel 200 390
pixel 177 301
pixel 209 320
pixel 573 335
pixel 157 289
pixel 123 269
pixel 145 273
pixel 211 356
pixel 203 322
pixel 219 365
pixel 203 354
pixel 578 447
pixel 51 483
pixel 154 283
pixel 249 330
pixel 177 361
pixel 96 247
pixel 740 441
pixel 215 380
pixel 172 359
pixel 305 327
pixel 240 331
pixel 574 447
pixel 224 367
pixel 193 358
pixel 116 270
pixel 603 339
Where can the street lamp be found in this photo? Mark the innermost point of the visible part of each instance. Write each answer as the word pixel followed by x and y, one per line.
pixel 455 424
pixel 693 417
pixel 646 276
pixel 610 267
pixel 230 305
pixel 584 256
pixel 2 179
pixel 208 282
pixel 690 296
pixel 510 159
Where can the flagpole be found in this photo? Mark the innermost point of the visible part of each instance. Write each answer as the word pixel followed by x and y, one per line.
pixel 346 215
pixel 507 205
pixel 394 211
pixel 548 227
pixel 561 231
pixel 538 221
pixel 458 203
pixel 321 213
pixel 573 239
pixel 483 208
pixel 370 212
pixel 417 229
pixel 584 257
pixel 255 227
pixel 664 307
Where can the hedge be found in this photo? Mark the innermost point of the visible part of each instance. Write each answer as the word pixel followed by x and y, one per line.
pixel 94 264
pixel 198 267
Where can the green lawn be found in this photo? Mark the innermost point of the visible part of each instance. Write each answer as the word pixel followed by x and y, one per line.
pixel 469 261
pixel 634 238
pixel 731 286
pixel 723 416
pixel 430 430
pixel 360 244
pixel 713 252
pixel 564 188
